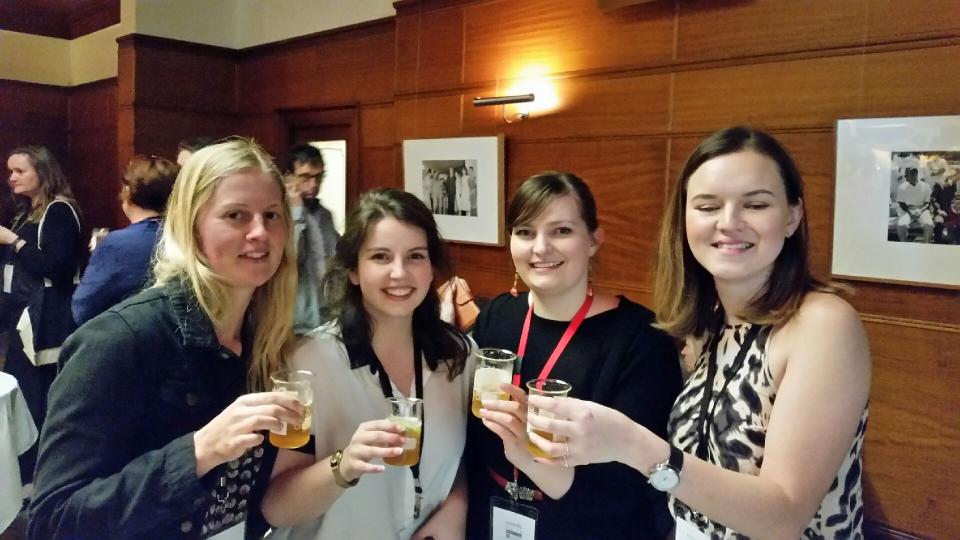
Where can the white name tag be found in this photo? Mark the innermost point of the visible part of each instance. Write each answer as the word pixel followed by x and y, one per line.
pixel 512 521
pixel 689 531
pixel 7 277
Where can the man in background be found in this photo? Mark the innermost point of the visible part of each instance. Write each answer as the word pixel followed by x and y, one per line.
pixel 315 236
pixel 913 198
pixel 187 147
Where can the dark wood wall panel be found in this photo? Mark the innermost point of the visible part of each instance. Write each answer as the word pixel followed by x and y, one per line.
pixel 429 117
pixel 507 39
pixel 158 130
pixel 32 114
pixel 377 126
pixel 94 171
pixel 335 70
pixel 913 413
pixel 29 114
pixel 886 76
pixel 184 76
pixel 378 168
pixel 747 30
pixel 598 105
pixel 430 50
pixel 889 20
pixel 800 93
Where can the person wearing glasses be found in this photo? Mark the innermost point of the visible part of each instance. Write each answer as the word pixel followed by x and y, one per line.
pixel 314 233
pixel 119 265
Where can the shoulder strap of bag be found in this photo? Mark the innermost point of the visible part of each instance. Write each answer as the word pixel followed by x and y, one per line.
pixel 76 219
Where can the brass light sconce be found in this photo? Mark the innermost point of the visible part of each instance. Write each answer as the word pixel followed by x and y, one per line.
pixel 504 101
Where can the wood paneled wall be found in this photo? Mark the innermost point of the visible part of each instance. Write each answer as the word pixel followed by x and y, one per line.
pixel 170 90
pixel 348 67
pixel 29 114
pixel 79 125
pixel 92 154
pixel 639 87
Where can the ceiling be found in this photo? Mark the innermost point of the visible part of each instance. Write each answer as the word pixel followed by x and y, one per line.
pixel 65 19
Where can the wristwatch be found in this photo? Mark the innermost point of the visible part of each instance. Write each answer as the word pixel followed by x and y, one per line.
pixel 337 475
pixel 665 476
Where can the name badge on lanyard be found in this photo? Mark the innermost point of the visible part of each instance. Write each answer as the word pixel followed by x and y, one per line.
pixel 7 278
pixel 510 520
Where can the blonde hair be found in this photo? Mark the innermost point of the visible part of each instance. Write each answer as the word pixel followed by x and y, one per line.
pixel 179 258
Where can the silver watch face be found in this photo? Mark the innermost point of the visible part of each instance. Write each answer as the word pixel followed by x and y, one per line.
pixel 664 478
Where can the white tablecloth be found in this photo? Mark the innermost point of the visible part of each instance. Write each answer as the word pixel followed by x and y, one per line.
pixel 17 434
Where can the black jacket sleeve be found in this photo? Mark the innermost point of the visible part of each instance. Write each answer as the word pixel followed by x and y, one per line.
pixel 91 480
pixel 58 256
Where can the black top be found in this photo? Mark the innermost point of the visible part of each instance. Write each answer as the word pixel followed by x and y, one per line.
pixel 57 261
pixel 117 458
pixel 616 359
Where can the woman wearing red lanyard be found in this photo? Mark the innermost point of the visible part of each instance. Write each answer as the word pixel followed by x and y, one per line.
pixel 766 438
pixel 382 337
pixel 603 345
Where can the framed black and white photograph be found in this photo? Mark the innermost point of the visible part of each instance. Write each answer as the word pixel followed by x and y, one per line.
pixel 461 181
pixel 897 208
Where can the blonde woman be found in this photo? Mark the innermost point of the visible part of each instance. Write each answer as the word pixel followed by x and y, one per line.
pixel 154 431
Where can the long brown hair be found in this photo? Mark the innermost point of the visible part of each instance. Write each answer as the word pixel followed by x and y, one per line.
pixel 53 183
pixel 685 297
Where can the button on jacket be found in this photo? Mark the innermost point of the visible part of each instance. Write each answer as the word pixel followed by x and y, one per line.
pixel 117 455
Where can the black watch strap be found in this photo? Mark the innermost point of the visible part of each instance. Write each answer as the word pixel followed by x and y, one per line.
pixel 676 459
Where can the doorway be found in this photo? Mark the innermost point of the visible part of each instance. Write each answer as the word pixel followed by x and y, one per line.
pixel 335 131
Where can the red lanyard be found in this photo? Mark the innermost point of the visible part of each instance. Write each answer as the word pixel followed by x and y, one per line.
pixel 578 318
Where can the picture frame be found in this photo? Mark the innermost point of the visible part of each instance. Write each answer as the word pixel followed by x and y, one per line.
pixel 897 207
pixel 461 181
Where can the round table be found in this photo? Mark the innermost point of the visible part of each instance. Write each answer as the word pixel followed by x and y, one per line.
pixel 17 434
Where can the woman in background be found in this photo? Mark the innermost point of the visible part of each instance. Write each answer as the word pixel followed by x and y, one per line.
pixel 119 265
pixel 40 256
pixel 614 356
pixel 766 438
pixel 153 431
pixel 382 337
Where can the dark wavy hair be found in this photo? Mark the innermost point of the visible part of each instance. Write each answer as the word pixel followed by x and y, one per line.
pixel 439 341
pixel 53 183
pixel 684 292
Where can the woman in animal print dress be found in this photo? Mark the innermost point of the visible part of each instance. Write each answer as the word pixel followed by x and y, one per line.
pixel 766 438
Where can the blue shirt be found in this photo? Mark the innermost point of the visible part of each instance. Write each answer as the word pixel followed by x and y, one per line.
pixel 118 268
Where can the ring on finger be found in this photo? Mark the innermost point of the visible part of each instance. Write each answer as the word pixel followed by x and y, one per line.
pixel 566 454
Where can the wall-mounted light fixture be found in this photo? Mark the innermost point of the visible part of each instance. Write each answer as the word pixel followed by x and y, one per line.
pixel 504 101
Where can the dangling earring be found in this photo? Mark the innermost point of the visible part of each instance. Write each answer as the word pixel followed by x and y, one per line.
pixel 590 278
pixel 513 290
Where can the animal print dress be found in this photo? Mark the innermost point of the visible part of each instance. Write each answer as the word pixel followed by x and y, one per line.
pixel 738 433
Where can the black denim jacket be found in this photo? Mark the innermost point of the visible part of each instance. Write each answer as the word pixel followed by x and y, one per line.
pixel 116 454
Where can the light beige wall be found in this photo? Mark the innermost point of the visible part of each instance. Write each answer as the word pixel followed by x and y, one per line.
pixel 94 56
pixel 233 24
pixel 38 59
pixel 211 22
pixel 266 21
